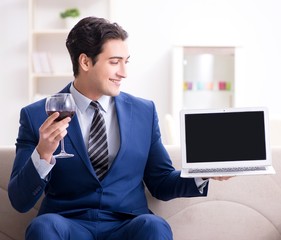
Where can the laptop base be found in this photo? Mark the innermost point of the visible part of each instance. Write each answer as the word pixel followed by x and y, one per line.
pixel 186 173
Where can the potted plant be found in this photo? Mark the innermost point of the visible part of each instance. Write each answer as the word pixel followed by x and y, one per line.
pixel 70 16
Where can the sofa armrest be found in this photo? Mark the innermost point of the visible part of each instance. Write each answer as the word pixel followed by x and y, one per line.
pixel 12 223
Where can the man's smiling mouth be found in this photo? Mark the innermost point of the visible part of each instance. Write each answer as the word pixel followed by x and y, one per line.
pixel 115 81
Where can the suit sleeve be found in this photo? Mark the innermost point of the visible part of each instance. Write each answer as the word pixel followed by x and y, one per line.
pixel 25 186
pixel 162 180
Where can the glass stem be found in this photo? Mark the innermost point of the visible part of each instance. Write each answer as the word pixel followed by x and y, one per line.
pixel 62 146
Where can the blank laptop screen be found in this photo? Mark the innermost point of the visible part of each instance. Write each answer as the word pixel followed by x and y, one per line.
pixel 228 136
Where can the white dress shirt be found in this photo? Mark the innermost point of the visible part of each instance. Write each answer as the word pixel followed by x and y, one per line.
pixel 85 113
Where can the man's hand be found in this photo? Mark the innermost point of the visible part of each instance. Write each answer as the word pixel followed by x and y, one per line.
pixel 220 178
pixel 51 132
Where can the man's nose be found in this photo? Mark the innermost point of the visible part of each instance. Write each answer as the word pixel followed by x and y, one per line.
pixel 122 71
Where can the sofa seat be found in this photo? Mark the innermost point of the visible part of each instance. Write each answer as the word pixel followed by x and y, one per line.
pixel 242 208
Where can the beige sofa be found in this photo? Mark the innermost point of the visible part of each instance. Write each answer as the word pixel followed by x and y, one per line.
pixel 241 208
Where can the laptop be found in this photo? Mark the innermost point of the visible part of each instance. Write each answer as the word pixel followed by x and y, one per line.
pixel 225 142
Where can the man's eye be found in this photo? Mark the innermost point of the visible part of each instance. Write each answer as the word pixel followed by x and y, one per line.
pixel 114 62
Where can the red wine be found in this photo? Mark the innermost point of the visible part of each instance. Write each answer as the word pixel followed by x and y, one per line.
pixel 63 114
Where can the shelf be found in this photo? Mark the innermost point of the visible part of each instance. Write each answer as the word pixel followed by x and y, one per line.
pixel 52 75
pixel 202 77
pixel 207 99
pixel 50 31
pixel 50 67
pixel 207 91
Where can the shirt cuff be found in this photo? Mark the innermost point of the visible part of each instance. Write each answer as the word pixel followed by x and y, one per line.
pixel 42 166
pixel 201 184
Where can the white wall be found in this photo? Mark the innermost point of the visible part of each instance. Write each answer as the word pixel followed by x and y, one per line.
pixel 154 27
pixel 251 25
pixel 13 61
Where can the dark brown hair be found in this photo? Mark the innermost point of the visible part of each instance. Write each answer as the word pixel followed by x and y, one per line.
pixel 88 36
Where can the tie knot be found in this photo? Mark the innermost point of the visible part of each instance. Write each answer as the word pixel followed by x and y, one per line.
pixel 95 105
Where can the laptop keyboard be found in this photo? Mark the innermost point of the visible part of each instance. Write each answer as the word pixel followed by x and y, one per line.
pixel 223 170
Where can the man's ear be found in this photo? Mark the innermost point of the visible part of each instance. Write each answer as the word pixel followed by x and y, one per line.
pixel 85 62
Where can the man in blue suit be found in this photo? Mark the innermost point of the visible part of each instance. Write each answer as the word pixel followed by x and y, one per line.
pixel 78 204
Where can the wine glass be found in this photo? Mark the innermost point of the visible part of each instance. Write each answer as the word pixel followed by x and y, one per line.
pixel 64 104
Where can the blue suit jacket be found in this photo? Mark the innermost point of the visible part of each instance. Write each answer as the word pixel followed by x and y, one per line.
pixel 72 185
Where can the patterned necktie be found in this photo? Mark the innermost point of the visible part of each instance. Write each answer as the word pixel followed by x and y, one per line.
pixel 98 149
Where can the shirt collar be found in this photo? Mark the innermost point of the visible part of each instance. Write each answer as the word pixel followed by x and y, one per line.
pixel 83 102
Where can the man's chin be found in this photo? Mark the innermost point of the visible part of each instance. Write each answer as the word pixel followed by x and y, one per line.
pixel 114 94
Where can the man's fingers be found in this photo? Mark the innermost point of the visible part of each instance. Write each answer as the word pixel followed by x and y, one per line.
pixel 221 178
pixel 49 120
pixel 59 133
pixel 51 130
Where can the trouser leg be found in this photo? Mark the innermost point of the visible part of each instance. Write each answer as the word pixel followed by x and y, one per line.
pixel 146 226
pixel 55 227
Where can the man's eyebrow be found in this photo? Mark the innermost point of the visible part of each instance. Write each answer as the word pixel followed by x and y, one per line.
pixel 118 57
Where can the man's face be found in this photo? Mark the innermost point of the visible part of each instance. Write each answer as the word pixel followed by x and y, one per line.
pixel 106 74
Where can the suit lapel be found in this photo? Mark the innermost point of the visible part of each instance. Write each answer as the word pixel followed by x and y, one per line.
pixel 124 115
pixel 75 136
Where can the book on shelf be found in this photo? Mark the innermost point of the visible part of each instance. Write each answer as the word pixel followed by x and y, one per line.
pixel 41 62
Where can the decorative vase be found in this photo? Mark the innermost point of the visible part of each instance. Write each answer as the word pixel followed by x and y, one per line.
pixel 70 22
